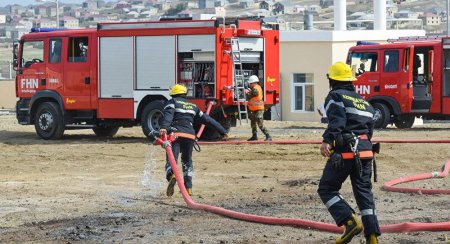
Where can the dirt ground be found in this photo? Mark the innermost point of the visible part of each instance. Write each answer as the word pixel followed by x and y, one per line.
pixel 86 189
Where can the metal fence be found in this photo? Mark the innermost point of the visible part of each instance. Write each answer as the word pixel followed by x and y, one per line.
pixel 6 71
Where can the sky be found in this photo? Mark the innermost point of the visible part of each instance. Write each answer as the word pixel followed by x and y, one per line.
pixel 27 2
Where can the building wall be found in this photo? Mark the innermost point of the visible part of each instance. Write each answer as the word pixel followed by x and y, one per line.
pixel 303 57
pixel 7 94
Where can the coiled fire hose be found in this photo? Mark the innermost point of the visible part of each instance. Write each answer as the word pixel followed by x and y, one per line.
pixel 166 141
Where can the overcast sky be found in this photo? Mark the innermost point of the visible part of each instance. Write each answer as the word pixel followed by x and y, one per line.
pixel 26 2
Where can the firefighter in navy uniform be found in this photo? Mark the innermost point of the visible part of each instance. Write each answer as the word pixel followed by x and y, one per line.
pixel 346 142
pixel 179 117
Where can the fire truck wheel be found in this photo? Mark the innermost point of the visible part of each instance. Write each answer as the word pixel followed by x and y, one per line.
pixel 151 115
pixel 109 131
pixel 382 115
pixel 404 121
pixel 49 121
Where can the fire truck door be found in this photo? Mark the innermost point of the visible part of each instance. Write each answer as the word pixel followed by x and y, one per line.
pixel 394 79
pixel 32 68
pixel 55 68
pixel 77 70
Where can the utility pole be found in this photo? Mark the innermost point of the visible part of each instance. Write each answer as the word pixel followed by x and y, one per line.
pixel 448 23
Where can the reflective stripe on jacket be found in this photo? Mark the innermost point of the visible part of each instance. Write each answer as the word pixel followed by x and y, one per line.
pixel 256 102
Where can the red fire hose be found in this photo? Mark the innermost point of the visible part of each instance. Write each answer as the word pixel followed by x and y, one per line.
pixel 202 127
pixel 284 142
pixel 389 186
pixel 402 227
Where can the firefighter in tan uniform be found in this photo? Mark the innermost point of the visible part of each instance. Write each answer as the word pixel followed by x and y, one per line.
pixel 256 108
pixel 347 144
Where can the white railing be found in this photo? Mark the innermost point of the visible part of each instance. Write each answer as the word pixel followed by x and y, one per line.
pixel 392 24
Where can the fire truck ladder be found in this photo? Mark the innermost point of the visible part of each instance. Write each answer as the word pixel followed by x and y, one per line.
pixel 238 80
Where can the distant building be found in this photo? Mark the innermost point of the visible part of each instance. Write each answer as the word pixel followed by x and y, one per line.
pixel 202 4
pixel 44 23
pixel 284 7
pixel 246 3
pixel 314 9
pixel 122 5
pixel 220 3
pixel 430 19
pixel 192 4
pixel 41 10
pixel 90 4
pixel 13 32
pixel 267 5
pixel 27 24
pixel 2 19
pixel 17 9
pixel 406 14
pixel 69 22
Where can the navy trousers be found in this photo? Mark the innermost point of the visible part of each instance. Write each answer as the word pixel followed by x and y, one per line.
pixel 184 146
pixel 331 183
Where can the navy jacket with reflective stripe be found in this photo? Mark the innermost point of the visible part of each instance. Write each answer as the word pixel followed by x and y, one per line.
pixel 348 112
pixel 181 114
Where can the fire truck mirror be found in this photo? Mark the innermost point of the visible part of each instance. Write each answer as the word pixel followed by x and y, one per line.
pixel 15 55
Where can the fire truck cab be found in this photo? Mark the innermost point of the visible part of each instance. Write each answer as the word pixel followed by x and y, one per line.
pixel 119 74
pixel 404 79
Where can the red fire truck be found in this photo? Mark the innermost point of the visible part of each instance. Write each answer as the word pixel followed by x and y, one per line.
pixel 119 74
pixel 404 79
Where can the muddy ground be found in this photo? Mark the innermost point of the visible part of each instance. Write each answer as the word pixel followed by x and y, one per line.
pixel 86 189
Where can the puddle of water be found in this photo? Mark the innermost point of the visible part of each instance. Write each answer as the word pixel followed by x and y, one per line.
pixel 150 179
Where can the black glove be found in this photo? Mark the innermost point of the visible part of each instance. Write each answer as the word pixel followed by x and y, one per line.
pixel 337 161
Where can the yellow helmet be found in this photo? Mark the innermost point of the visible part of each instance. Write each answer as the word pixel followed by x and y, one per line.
pixel 340 71
pixel 177 90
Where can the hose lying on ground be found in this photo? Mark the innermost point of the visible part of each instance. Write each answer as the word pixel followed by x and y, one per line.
pixel 391 228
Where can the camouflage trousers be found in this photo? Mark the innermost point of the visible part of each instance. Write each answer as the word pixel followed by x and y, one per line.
pixel 256 118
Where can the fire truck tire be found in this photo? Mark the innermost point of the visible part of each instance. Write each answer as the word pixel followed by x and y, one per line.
pixel 109 131
pixel 49 121
pixel 382 115
pixel 151 115
pixel 404 121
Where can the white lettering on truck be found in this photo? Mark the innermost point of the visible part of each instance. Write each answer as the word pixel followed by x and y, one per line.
pixel 29 85
pixel 362 89
pixel 394 86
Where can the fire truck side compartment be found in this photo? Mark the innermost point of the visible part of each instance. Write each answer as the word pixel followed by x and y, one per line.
pixel 155 62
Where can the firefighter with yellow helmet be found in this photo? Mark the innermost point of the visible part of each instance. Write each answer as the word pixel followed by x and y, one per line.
pixel 347 145
pixel 179 117
pixel 256 108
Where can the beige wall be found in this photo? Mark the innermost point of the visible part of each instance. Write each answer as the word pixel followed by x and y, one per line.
pixel 308 57
pixel 303 57
pixel 7 95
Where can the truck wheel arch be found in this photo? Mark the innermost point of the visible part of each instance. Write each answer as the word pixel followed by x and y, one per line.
pixel 45 96
pixel 145 101
pixel 390 102
pixel 149 105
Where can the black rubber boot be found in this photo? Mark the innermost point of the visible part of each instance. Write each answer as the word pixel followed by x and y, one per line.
pixel 268 137
pixel 253 138
pixel 171 185
pixel 352 227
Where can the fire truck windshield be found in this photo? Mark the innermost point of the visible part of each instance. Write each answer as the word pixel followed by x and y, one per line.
pixel 32 52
